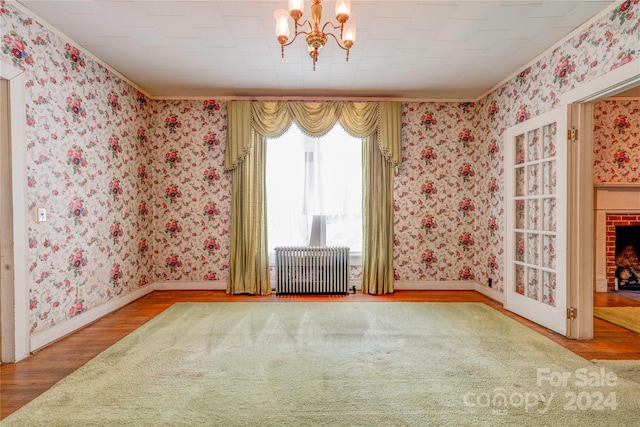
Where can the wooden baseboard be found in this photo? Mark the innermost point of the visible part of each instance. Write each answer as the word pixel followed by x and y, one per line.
pixel 63 329
pixel 187 285
pixel 435 285
pixel 489 292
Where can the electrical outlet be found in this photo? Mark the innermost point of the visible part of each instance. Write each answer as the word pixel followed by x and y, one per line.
pixel 79 293
pixel 42 214
pixel 490 282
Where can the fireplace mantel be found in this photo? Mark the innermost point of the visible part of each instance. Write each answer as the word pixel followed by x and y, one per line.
pixel 618 185
pixel 611 198
pixel 617 196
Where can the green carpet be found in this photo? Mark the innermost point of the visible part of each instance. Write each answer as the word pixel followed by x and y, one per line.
pixel 335 364
pixel 629 369
pixel 626 317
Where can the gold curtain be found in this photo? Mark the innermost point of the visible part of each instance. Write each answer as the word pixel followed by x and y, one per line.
pixel 245 157
pixel 378 173
pixel 249 123
pixel 377 199
pixel 272 119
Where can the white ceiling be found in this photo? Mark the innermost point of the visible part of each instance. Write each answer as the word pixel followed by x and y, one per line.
pixel 404 49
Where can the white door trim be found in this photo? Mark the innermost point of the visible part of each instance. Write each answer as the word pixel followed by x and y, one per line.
pixel 15 320
pixel 582 234
pixel 607 85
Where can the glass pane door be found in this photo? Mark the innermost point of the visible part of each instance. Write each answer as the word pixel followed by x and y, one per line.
pixel 536 220
pixel 535 204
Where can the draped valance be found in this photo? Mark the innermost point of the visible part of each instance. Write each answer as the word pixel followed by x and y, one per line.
pixel 272 119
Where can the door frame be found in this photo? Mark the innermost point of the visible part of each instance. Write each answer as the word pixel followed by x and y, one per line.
pixel 15 296
pixel 580 233
pixel 581 239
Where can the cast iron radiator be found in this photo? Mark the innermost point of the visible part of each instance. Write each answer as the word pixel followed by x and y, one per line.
pixel 312 270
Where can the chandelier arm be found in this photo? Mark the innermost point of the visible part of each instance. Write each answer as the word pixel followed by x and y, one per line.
pixel 340 45
pixel 300 24
pixel 294 38
pixel 335 27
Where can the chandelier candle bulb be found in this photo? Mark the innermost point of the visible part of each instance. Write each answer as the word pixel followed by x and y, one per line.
pixel 282 26
pixel 343 8
pixel 349 34
pixel 296 8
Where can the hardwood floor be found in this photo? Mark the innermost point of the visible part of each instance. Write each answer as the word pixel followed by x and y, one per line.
pixel 22 382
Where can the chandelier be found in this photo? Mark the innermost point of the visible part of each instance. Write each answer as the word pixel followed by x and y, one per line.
pixel 316 37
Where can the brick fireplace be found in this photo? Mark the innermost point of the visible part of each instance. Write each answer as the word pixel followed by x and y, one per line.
pixel 617 205
pixel 615 222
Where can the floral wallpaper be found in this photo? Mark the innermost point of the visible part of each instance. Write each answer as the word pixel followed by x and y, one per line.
pixel 434 193
pixel 616 154
pixel 84 159
pixel 608 43
pixel 136 192
pixel 192 193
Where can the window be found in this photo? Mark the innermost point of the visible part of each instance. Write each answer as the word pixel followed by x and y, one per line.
pixel 314 190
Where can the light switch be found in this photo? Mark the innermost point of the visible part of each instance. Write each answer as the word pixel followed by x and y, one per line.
pixel 42 214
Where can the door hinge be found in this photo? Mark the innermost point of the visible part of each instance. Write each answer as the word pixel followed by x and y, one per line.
pixel 572 313
pixel 572 134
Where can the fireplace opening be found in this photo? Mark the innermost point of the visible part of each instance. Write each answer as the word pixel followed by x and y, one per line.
pixel 628 257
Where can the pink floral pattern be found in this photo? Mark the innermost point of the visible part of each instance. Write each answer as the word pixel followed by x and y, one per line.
pixel 447 194
pixel 114 103
pixel 466 137
pixel 624 12
pixel 74 106
pixel 211 246
pixel 562 71
pixel 77 261
pixel 621 123
pixel 210 176
pixel 82 156
pixel 143 247
pixel 75 158
pixel 211 141
pixel 73 54
pixel 466 241
pixel 172 193
pixel 15 46
pixel 173 263
pixel 192 197
pixel 173 228
pixel 616 153
pixel 172 158
pixel 172 123
pixel 466 172
pixel 438 174
pixel 114 144
pixel 211 106
pixel 116 232
pixel 77 211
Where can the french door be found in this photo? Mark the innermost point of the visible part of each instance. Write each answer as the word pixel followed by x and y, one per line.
pixel 536 219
